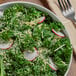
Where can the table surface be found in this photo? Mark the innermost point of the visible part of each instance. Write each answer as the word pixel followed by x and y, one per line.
pixel 72 71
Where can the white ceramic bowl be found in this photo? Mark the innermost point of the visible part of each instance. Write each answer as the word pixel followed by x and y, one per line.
pixel 41 8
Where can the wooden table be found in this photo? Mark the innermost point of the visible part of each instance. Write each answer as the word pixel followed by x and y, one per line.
pixel 72 71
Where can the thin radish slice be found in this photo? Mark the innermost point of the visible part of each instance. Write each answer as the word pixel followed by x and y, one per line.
pixel 52 65
pixel 30 56
pixel 7 45
pixel 58 33
pixel 41 19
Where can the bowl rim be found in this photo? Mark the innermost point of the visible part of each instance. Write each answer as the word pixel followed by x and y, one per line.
pixel 25 2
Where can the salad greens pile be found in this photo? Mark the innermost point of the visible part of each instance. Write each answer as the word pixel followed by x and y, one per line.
pixel 20 24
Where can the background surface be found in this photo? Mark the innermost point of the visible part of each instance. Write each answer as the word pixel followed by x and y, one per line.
pixel 72 71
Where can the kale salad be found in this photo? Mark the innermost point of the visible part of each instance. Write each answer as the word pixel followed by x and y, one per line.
pixel 32 43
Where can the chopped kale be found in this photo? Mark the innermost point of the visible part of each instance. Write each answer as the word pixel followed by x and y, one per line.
pixel 19 23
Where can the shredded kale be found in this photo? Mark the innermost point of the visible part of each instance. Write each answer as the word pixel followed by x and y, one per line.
pixel 16 24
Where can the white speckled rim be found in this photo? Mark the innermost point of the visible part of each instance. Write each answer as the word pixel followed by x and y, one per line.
pixel 41 8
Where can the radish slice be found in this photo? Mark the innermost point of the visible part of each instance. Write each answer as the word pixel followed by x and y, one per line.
pixel 8 45
pixel 52 65
pixel 30 56
pixel 58 33
pixel 41 19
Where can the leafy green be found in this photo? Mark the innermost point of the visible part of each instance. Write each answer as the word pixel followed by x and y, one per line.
pixel 19 23
pixel 1 66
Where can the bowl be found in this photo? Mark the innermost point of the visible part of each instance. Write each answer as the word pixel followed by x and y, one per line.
pixel 41 8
